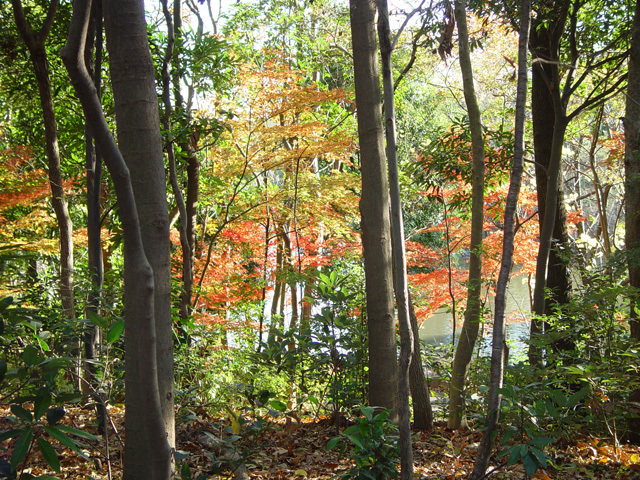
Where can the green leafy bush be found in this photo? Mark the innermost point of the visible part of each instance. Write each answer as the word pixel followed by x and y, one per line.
pixel 374 445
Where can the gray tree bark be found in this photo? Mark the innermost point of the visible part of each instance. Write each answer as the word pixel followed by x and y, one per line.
pixel 472 317
pixel 138 129
pixel 374 209
pixel 148 452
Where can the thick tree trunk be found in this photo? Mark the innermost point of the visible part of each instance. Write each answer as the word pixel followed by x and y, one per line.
pixel 148 454
pixel 138 128
pixel 550 124
pixel 35 42
pixel 632 195
pixel 473 314
pixel 498 348
pixel 543 117
pixel 374 209
pixel 398 248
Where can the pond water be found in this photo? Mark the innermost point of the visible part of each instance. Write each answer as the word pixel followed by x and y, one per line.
pixel 438 329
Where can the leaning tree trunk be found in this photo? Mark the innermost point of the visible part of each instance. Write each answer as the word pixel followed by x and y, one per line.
pixel 472 317
pixel 632 196
pixel 374 209
pixel 398 248
pixel 148 453
pixel 35 42
pixel 498 357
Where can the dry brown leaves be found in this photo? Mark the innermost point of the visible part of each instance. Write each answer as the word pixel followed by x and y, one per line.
pixel 296 449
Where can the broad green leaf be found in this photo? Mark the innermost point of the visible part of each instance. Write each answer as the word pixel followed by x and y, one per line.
pixel 30 355
pixel 115 331
pixel 530 464
pixel 21 448
pixel 97 320
pixel 21 412
pixel 514 455
pixel 43 344
pixel 577 397
pixel 78 433
pixel 181 455
pixel 65 440
pixel 185 472
pixel 49 454
pixel 540 455
pixel 541 441
pixel 42 403
pixel 10 434
pixel 333 442
pixel 352 429
pixel 356 440
pixel 5 303
pixel 278 405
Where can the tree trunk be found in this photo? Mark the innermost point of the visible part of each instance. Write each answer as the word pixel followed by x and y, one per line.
pixel 632 196
pixel 148 453
pixel 473 314
pixel 187 142
pixel 498 357
pixel 544 129
pixel 35 42
pixel 374 209
pixel 550 124
pixel 138 128
pixel 422 412
pixel 398 248
pixel 93 164
pixel 184 306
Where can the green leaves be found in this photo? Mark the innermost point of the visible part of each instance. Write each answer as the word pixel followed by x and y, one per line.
pixel 115 331
pixel 21 448
pixel 375 452
pixel 49 454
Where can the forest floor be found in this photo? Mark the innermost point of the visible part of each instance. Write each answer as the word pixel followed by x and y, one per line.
pixel 292 449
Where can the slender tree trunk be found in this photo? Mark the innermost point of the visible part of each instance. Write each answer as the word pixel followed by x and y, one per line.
pixel 473 314
pixel 398 248
pixel 138 128
pixel 187 246
pixel 498 357
pixel 148 453
pixel 632 196
pixel 35 41
pixel 93 163
pixel 420 396
pixel 601 197
pixel 187 143
pixel 374 209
